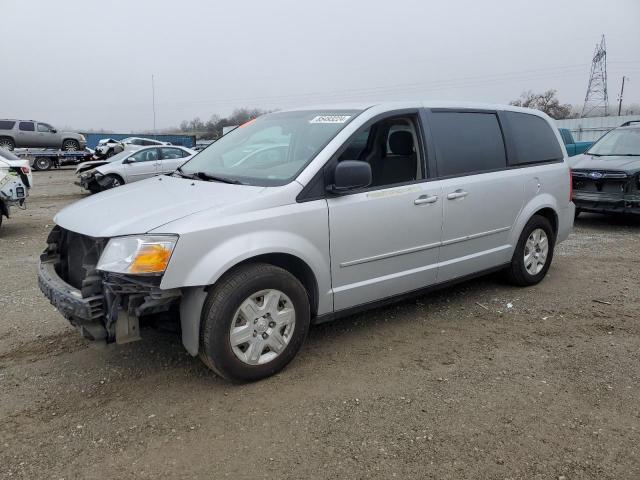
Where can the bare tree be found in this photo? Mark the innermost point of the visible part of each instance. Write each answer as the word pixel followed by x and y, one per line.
pixel 546 102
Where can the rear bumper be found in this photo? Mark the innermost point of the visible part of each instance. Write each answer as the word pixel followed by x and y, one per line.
pixel 603 203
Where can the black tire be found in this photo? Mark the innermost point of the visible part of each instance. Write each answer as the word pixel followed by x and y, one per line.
pixel 7 143
pixel 578 212
pixel 42 163
pixel 110 153
pixel 517 272
pixel 70 145
pixel 218 314
pixel 114 181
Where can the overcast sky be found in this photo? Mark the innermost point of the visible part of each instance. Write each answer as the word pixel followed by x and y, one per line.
pixel 88 64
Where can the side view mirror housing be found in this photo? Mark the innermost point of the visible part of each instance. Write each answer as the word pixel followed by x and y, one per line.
pixel 53 130
pixel 350 175
pixel 126 161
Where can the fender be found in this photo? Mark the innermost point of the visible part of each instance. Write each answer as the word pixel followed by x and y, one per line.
pixel 193 298
pixel 537 203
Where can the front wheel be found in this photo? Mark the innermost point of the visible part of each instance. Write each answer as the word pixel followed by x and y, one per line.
pixel 113 181
pixel 253 322
pixel 534 252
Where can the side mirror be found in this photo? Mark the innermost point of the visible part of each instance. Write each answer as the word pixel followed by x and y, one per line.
pixel 53 130
pixel 126 161
pixel 350 175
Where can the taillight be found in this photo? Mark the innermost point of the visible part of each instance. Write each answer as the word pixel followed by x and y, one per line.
pixel 570 185
pixel 25 170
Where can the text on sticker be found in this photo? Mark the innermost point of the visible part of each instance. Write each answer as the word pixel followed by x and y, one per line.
pixel 330 119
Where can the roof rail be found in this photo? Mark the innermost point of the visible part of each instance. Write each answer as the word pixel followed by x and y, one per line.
pixel 629 123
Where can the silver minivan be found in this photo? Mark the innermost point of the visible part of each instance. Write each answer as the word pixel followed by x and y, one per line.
pixel 304 216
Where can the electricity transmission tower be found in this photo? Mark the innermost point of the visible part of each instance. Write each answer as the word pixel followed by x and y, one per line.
pixel 596 102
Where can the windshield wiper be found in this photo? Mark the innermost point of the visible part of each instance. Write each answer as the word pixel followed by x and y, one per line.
pixel 206 177
pixel 182 174
pixel 615 154
pixel 212 178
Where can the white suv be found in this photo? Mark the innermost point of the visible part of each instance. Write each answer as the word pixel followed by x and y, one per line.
pixel 304 216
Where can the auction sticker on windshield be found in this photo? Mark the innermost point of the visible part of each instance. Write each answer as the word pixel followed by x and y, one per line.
pixel 330 119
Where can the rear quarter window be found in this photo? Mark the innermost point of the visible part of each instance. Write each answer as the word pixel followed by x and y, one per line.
pixel 532 139
pixel 467 143
pixel 6 125
pixel 27 126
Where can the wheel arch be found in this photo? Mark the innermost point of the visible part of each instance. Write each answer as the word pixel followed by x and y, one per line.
pixel 544 205
pixel 194 297
pixel 114 174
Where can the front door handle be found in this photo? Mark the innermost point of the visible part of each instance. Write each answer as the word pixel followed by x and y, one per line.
pixel 422 199
pixel 457 194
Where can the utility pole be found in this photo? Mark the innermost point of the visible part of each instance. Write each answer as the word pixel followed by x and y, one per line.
pixel 153 100
pixel 620 97
pixel 596 101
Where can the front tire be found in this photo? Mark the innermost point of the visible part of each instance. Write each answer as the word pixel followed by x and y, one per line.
pixel 534 253
pixel 113 181
pixel 253 322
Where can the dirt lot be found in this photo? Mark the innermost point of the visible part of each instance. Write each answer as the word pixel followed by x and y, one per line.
pixel 543 383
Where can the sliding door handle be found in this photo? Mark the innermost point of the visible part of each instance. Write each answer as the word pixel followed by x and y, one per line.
pixel 423 199
pixel 457 194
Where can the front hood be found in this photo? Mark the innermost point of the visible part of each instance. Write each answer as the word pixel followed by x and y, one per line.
pixel 142 206
pixel 619 163
pixel 84 166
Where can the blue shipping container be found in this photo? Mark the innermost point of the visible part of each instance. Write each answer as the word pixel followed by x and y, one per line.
pixel 184 140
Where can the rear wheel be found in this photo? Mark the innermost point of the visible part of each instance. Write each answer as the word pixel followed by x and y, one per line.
pixel 70 145
pixel 575 215
pixel 534 252
pixel 253 322
pixel 7 143
pixel 42 163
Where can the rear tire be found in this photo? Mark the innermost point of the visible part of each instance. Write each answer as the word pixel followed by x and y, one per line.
pixel 42 163
pixel 526 264
pixel 284 326
pixel 7 143
pixel 70 146
pixel 578 212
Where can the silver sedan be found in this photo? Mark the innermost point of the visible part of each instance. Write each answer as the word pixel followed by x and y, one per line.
pixel 128 167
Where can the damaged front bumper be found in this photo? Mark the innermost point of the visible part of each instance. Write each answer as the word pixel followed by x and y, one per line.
pixel 103 306
pixel 13 192
pixel 607 203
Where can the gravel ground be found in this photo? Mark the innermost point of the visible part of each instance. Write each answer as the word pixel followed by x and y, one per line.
pixel 542 383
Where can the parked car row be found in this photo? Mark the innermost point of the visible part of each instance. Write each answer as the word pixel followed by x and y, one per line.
pixel 130 166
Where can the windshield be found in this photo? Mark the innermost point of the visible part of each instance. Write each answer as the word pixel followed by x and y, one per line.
pixel 271 150
pixel 624 141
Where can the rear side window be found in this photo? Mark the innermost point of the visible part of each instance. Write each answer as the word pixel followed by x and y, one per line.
pixel 6 125
pixel 532 138
pixel 26 126
pixel 467 143
pixel 170 153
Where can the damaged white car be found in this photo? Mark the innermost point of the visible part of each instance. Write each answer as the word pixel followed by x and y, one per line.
pixel 128 167
pixel 14 187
